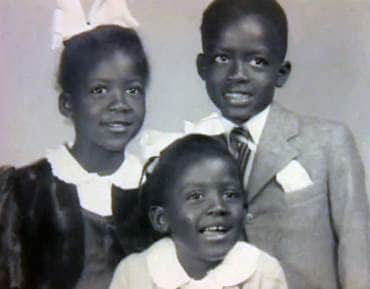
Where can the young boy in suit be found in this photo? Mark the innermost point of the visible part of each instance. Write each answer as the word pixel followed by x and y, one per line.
pixel 307 201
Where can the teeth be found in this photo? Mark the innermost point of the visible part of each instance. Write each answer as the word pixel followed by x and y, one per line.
pixel 237 94
pixel 237 97
pixel 117 126
pixel 215 229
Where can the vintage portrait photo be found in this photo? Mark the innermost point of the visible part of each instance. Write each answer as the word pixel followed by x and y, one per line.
pixel 165 144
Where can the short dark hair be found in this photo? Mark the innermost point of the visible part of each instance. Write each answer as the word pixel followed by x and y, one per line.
pixel 83 51
pixel 222 12
pixel 171 161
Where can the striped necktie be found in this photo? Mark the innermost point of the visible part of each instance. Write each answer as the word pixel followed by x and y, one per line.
pixel 239 138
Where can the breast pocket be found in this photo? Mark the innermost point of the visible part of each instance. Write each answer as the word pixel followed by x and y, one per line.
pixel 300 197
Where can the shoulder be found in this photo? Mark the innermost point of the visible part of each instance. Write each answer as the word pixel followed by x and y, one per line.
pixel 132 262
pixel 262 259
pixel 35 171
pixel 317 123
pixel 271 272
pixel 24 175
pixel 270 265
pixel 131 270
pixel 316 128
pixel 261 267
pixel 24 182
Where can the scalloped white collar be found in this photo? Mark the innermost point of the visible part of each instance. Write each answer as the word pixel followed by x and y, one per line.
pixel 94 191
pixel 166 271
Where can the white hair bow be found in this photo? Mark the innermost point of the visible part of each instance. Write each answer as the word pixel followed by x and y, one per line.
pixel 153 142
pixel 70 19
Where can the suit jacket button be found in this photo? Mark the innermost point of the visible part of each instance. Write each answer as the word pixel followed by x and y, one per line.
pixel 249 218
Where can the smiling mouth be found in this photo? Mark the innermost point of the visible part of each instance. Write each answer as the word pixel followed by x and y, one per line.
pixel 218 232
pixel 118 126
pixel 238 98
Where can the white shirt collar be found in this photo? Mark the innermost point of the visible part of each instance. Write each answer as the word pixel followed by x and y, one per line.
pixel 94 191
pixel 254 125
pixel 152 141
pixel 166 271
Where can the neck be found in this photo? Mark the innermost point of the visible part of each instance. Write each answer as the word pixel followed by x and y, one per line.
pixel 95 159
pixel 196 268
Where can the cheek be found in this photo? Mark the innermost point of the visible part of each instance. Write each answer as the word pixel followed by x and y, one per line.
pixel 237 211
pixel 216 75
pixel 266 80
pixel 184 216
pixel 138 105
pixel 90 108
pixel 141 107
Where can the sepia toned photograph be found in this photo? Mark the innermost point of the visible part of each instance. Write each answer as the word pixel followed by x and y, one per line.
pixel 184 144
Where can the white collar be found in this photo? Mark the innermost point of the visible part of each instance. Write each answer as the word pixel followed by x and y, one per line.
pixel 166 271
pixel 153 142
pixel 254 125
pixel 94 190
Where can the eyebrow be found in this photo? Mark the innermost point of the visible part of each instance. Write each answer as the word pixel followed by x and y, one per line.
pixel 127 80
pixel 254 50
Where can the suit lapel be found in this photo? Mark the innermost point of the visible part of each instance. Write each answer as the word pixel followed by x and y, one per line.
pixel 274 150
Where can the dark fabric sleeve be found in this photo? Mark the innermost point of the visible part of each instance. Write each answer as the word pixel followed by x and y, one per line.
pixel 133 228
pixel 41 230
pixel 10 245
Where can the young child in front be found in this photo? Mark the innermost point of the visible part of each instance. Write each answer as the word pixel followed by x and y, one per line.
pixel 307 202
pixel 194 198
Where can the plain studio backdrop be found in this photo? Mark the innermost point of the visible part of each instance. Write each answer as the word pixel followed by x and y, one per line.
pixel 328 48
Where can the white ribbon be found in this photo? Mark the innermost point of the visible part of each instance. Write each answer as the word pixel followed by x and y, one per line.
pixel 70 19
pixel 153 142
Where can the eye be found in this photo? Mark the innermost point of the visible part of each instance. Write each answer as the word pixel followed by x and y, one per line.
pixel 232 194
pixel 194 195
pixel 259 62
pixel 134 91
pixel 221 58
pixel 98 90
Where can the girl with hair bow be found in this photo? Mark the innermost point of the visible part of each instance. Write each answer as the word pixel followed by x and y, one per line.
pixel 65 220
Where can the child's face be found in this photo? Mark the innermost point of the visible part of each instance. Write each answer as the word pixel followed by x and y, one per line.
pixel 108 108
pixel 205 209
pixel 242 67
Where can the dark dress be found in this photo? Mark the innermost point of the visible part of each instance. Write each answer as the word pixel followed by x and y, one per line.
pixel 48 241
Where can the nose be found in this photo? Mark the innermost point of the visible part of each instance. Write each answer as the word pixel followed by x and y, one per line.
pixel 238 71
pixel 119 101
pixel 218 207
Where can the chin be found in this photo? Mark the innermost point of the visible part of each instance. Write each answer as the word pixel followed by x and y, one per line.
pixel 217 252
pixel 238 116
pixel 216 255
pixel 116 145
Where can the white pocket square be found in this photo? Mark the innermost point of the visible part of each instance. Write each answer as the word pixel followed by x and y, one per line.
pixel 293 177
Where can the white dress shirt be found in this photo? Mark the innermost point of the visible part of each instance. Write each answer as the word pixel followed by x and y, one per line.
pixel 254 126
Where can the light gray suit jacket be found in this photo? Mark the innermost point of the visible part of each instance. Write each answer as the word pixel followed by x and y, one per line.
pixel 319 233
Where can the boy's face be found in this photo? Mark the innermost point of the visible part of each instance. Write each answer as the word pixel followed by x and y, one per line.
pixel 242 66
pixel 204 207
pixel 108 108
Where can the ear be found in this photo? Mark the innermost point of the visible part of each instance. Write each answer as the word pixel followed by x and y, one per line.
pixel 65 104
pixel 201 65
pixel 159 220
pixel 283 73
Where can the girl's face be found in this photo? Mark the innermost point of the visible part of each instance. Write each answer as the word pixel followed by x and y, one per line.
pixel 108 108
pixel 204 208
